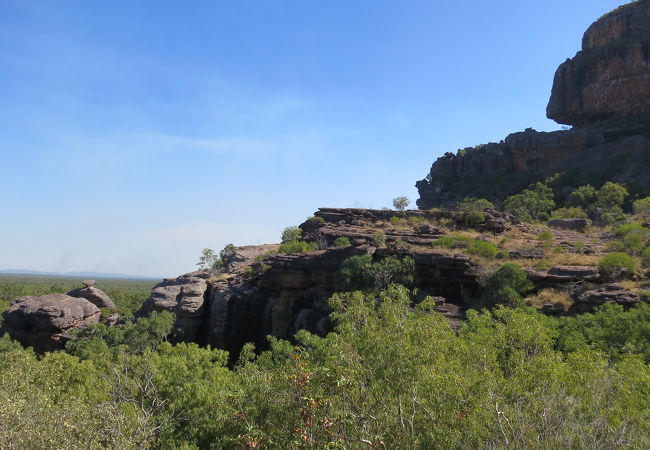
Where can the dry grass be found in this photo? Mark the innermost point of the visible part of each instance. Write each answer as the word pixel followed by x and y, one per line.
pixel 220 278
pixel 551 296
pixel 629 285
pixel 573 259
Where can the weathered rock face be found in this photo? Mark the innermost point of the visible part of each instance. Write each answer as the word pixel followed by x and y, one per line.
pixel 241 257
pixel 610 77
pixel 184 296
pixel 604 92
pixel 45 322
pixel 610 293
pixel 95 296
pixel 291 294
pixel 280 294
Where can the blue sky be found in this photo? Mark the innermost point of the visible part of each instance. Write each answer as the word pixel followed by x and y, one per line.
pixel 134 134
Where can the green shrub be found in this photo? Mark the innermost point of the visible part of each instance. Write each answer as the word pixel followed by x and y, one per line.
pixel 401 203
pixel 291 234
pixel 634 242
pixel 297 247
pixel 645 257
pixel 611 197
pixel 361 272
pixel 642 206
pixel 623 230
pixel 472 209
pixel 264 256
pixel 342 241
pixel 213 262
pixel 546 237
pixel 615 246
pixel 613 264
pixel 394 220
pixel 506 285
pixel 378 239
pixel 633 237
pixel 484 249
pixel 542 264
pixel 575 212
pixel 445 241
pixel 583 197
pixel 399 246
pixel 532 204
pixel 315 219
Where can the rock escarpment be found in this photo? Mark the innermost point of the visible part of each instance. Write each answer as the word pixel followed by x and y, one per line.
pixel 609 78
pixel 45 322
pixel 604 92
pixel 265 293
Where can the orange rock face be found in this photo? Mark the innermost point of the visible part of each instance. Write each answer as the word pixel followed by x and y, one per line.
pixel 610 77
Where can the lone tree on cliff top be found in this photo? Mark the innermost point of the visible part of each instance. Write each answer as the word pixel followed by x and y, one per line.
pixel 400 203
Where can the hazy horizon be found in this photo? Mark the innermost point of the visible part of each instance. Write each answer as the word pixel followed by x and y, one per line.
pixel 134 134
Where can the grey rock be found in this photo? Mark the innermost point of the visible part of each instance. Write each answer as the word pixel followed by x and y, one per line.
pixel 564 274
pixel 613 293
pixel 95 296
pixel 526 253
pixel 45 322
pixel 579 225
pixel 183 296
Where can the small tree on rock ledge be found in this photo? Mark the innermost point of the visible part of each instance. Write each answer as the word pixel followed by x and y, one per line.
pixel 401 203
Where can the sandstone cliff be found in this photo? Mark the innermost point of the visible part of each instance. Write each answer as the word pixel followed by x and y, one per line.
pixel 263 292
pixel 604 92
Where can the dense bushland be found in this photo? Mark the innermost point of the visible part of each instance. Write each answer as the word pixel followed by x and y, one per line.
pixel 391 375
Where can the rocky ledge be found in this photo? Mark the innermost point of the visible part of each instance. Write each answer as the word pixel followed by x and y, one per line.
pixel 262 292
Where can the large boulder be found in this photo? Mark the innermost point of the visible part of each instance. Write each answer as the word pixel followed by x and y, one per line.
pixel 610 77
pixel 45 322
pixel 95 296
pixel 183 296
pixel 610 293
pixel 579 225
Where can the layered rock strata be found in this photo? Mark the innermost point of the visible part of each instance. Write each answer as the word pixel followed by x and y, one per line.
pixel 263 293
pixel 610 77
pixel 603 92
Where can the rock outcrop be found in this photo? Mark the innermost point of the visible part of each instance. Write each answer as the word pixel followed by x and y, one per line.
pixel 184 296
pixel 579 225
pixel 610 293
pixel 604 92
pixel 610 77
pixel 264 293
pixel 565 274
pixel 95 296
pixel 45 322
